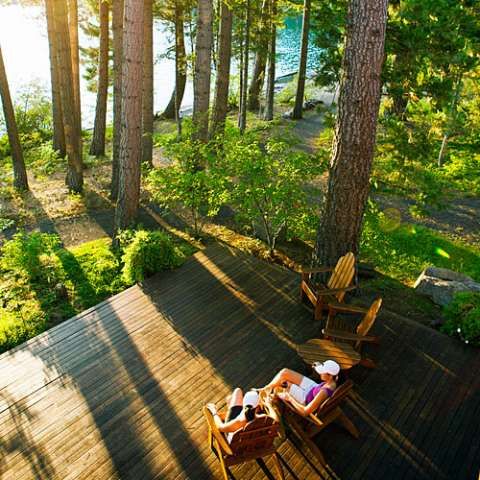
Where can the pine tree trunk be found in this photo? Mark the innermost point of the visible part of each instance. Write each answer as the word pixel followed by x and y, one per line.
pixel 131 128
pixel 256 82
pixel 74 178
pixel 74 50
pixel 180 66
pixel 271 64
pixel 201 86
pixel 117 24
pixel 258 74
pixel 20 181
pixel 348 186
pixel 223 72
pixel 57 114
pixel 147 99
pixel 242 118
pixel 97 147
pixel 302 69
pixel 180 63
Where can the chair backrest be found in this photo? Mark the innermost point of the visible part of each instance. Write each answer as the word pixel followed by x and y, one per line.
pixel 339 395
pixel 369 319
pixel 255 437
pixel 342 274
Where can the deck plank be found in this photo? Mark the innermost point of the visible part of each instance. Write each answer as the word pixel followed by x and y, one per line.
pixel 117 391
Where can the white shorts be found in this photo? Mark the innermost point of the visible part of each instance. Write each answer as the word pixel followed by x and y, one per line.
pixel 300 392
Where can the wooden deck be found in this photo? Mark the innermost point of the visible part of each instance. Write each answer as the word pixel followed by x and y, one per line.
pixel 116 392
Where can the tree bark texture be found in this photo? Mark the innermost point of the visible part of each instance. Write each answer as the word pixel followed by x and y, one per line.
pixel 117 24
pixel 147 100
pixel 131 127
pixel 258 74
pixel 201 85
pixel 271 64
pixel 74 178
pixel 20 181
pixel 74 50
pixel 256 83
pixel 242 118
pixel 180 63
pixel 97 147
pixel 354 144
pixel 180 66
pixel 223 71
pixel 57 114
pixel 302 68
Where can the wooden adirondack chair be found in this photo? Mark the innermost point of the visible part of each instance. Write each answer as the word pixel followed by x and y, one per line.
pixel 253 442
pixel 307 427
pixel 334 291
pixel 343 340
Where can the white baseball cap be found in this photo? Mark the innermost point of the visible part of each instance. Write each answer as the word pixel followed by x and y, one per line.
pixel 250 399
pixel 329 366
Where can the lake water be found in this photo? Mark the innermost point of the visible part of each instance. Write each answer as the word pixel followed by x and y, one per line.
pixel 23 38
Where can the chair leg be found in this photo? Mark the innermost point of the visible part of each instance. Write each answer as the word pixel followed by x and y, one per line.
pixel 223 468
pixel 318 313
pixel 348 425
pixel 278 466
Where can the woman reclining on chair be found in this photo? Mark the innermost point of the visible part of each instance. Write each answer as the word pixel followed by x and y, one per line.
pixel 241 410
pixel 302 393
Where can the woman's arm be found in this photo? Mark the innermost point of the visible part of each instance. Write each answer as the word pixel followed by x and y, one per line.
pixel 231 426
pixel 305 410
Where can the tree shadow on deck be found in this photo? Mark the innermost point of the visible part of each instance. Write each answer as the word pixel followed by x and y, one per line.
pixel 19 440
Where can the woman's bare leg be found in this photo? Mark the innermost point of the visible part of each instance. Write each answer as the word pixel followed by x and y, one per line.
pixel 236 398
pixel 285 375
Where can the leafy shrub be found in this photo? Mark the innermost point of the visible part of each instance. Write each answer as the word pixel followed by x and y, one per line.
pixel 44 160
pixel 463 317
pixel 267 185
pixel 191 180
pixel 34 118
pixel 145 253
pixel 42 283
pixel 30 256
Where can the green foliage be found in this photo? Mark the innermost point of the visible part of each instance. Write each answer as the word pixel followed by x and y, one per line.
pixel 267 182
pixel 463 318
pixel 44 160
pixel 145 253
pixel 406 157
pixel 42 283
pixel 191 180
pixel 33 116
pixel 403 251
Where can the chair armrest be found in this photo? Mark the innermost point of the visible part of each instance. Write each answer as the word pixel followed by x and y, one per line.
pixel 342 308
pixel 317 270
pixel 327 291
pixel 330 332
pixel 217 435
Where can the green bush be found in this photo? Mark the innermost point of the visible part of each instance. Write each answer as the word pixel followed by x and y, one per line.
pixel 192 180
pixel 463 318
pixel 145 253
pixel 42 283
pixel 268 186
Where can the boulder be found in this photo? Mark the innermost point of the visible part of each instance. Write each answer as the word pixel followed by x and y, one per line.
pixel 441 284
pixel 446 274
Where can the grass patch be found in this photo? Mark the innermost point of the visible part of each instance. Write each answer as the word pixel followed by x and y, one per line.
pixel 43 283
pixel 403 251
